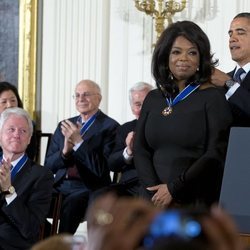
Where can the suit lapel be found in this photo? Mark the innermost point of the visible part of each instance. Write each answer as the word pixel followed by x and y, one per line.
pixel 246 82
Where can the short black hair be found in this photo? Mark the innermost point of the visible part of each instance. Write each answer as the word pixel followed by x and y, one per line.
pixel 243 14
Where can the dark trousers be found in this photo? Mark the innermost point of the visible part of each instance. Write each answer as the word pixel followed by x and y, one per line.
pixel 74 205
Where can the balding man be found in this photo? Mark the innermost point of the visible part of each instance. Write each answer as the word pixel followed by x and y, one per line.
pixel 78 154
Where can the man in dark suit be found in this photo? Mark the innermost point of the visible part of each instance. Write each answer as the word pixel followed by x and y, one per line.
pixel 79 152
pixel 26 187
pixel 237 82
pixel 121 159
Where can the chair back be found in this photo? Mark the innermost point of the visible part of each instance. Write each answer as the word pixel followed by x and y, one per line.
pixel 48 229
pixel 43 141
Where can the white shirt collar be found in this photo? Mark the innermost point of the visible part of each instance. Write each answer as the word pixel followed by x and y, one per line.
pixel 13 163
pixel 246 67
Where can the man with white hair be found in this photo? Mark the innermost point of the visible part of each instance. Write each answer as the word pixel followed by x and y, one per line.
pixel 121 159
pixel 25 187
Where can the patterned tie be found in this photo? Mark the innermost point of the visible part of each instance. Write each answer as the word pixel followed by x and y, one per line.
pixel 237 77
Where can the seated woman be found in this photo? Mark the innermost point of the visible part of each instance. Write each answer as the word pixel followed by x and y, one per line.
pixel 9 98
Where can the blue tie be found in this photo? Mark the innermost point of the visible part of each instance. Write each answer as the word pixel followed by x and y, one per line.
pixel 237 77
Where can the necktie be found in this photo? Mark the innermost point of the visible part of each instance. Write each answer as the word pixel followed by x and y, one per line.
pixel 72 172
pixel 237 75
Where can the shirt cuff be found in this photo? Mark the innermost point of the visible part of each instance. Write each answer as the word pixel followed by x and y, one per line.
pixel 231 90
pixel 128 158
pixel 10 198
pixel 77 145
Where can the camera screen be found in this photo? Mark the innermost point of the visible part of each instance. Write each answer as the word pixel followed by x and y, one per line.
pixel 174 224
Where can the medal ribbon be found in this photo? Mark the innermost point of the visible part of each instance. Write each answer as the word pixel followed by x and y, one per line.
pixel 18 166
pixel 182 95
pixel 87 124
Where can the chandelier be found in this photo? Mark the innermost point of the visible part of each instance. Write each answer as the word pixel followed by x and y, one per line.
pixel 161 11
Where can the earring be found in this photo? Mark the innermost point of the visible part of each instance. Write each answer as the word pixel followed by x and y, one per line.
pixel 197 69
pixel 171 76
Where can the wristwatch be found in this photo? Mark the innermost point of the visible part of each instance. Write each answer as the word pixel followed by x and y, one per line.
pixel 11 190
pixel 229 83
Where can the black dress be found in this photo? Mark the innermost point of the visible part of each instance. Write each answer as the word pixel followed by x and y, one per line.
pixel 185 150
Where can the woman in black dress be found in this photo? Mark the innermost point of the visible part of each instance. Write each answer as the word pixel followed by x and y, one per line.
pixel 182 133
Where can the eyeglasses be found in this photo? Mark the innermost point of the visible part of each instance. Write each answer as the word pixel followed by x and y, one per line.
pixel 77 96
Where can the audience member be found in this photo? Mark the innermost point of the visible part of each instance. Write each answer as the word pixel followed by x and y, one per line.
pixel 182 132
pixel 9 98
pixel 26 187
pixel 121 159
pixel 78 154
pixel 237 82
pixel 127 223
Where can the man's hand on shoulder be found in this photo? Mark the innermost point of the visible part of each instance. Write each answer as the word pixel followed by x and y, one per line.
pixel 219 78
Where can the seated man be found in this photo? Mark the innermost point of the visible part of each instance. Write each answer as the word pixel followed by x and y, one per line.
pixel 26 187
pixel 121 159
pixel 78 154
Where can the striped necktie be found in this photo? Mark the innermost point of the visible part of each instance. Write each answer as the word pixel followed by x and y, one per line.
pixel 237 76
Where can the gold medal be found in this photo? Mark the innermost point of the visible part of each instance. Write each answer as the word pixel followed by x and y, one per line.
pixel 167 111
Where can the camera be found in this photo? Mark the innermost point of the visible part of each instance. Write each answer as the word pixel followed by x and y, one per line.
pixel 175 227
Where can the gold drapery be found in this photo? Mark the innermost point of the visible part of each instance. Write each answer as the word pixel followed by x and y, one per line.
pixel 27 54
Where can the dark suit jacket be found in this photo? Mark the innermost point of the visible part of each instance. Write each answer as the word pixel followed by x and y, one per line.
pixel 20 220
pixel 116 160
pixel 90 158
pixel 240 102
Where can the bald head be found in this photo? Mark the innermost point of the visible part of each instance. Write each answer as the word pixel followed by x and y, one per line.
pixel 87 98
pixel 90 83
